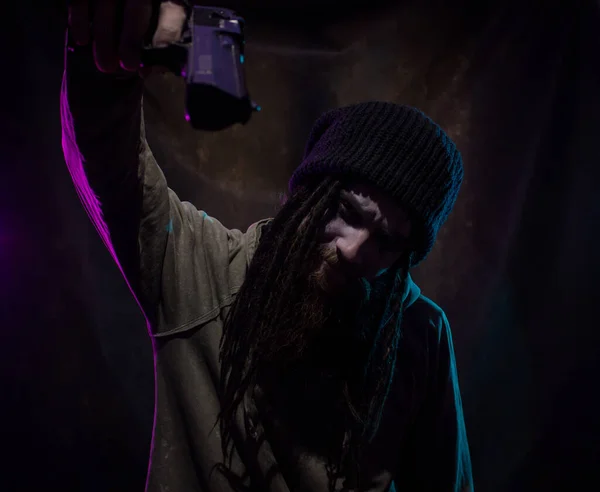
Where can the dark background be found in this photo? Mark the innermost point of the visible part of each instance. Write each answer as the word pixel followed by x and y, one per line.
pixel 515 83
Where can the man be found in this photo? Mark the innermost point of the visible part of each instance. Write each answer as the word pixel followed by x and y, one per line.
pixel 298 355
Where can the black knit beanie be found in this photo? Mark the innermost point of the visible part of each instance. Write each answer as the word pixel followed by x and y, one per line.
pixel 396 148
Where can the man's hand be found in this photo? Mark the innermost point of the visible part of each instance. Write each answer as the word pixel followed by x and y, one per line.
pixel 118 43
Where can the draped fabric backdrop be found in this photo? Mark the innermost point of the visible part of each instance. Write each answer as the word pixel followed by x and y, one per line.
pixel 515 83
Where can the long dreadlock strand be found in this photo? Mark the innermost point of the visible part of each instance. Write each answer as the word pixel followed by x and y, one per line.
pixel 378 378
pixel 383 355
pixel 291 238
pixel 303 244
pixel 265 274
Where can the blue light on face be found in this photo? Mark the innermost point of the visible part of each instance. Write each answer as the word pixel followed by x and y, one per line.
pixel 381 272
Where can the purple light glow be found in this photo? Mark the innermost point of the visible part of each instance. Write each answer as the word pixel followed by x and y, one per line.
pixel 75 165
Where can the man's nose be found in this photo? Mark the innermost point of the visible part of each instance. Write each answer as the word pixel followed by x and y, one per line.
pixel 352 248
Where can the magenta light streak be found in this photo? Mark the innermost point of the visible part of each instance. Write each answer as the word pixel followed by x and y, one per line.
pixel 75 164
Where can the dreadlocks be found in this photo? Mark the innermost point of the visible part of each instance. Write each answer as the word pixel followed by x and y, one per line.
pixel 260 326
pixel 259 307
pixel 381 322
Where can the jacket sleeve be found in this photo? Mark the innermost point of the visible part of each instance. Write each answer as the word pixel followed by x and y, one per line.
pixel 437 457
pixel 166 249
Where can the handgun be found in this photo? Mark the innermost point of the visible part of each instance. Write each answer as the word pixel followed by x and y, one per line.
pixel 210 57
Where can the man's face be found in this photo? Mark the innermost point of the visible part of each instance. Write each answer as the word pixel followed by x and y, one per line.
pixel 365 235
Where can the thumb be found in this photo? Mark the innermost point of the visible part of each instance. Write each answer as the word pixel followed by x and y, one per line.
pixel 171 21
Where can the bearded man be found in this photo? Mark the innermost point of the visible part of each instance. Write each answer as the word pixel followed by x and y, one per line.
pixel 298 355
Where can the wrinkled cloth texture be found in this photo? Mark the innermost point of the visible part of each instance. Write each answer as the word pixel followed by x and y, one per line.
pixel 184 269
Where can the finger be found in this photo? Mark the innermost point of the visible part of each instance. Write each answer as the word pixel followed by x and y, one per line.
pixel 106 35
pixel 135 26
pixel 171 21
pixel 79 21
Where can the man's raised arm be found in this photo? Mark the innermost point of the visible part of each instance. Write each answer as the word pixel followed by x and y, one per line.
pixel 153 237
pixel 111 165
